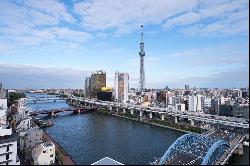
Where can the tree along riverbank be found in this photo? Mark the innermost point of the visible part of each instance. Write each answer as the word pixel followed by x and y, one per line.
pixel 157 122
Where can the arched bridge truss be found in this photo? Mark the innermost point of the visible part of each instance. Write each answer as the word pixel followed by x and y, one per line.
pixel 195 149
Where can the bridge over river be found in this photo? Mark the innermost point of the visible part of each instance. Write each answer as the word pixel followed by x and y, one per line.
pixel 212 148
pixel 44 98
pixel 52 112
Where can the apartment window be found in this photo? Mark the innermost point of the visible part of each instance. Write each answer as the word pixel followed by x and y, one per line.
pixel 7 163
pixel 7 156
pixel 44 151
pixel 8 148
pixel 51 155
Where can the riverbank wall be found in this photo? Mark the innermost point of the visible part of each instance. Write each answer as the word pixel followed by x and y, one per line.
pixel 187 129
pixel 147 122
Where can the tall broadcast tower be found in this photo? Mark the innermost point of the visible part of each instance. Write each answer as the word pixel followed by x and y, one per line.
pixel 142 72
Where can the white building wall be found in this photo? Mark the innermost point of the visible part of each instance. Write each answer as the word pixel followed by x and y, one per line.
pixel 33 137
pixel 125 86
pixel 200 104
pixel 21 103
pixel 3 103
pixel 196 103
pixel 180 107
pixel 240 93
pixel 10 149
pixel 207 102
pixel 23 124
pixel 44 154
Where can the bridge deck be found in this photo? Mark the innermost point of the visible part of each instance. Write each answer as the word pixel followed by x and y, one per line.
pixel 192 154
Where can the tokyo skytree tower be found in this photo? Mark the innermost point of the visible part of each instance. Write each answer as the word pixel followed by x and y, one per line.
pixel 142 72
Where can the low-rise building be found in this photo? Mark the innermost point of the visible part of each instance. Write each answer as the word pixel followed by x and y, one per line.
pixel 23 124
pixel 44 154
pixel 33 137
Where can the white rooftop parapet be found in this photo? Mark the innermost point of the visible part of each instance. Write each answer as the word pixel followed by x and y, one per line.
pixel 107 161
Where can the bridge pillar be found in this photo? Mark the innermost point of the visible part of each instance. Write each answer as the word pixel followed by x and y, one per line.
pixel 131 111
pixel 124 110
pixel 141 112
pixel 150 115
pixel 51 114
pixel 175 119
pixel 162 117
pixel 77 111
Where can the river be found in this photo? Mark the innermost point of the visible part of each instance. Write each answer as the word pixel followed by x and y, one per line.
pixel 89 137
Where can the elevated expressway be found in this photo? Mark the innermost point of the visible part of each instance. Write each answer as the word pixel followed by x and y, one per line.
pixel 163 112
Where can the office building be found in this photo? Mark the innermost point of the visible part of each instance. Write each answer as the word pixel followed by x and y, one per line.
pixel 121 87
pixel 87 87
pixel 196 103
pixel 215 106
pixel 97 81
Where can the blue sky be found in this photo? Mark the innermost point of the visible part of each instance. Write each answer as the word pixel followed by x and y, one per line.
pixel 56 43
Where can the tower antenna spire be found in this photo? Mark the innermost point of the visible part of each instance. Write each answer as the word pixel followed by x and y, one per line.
pixel 141 33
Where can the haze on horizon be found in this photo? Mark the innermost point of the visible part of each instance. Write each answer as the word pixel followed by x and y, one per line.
pixel 57 43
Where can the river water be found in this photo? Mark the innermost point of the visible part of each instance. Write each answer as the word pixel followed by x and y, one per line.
pixel 90 137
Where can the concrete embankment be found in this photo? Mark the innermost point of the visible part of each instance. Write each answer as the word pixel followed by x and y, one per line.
pixel 61 155
pixel 154 124
pixel 143 121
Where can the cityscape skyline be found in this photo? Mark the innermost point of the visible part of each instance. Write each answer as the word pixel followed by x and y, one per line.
pixel 202 44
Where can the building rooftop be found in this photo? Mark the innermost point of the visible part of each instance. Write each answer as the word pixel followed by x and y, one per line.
pixel 107 161
pixel 48 144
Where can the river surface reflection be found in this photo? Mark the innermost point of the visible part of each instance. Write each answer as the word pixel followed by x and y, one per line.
pixel 91 136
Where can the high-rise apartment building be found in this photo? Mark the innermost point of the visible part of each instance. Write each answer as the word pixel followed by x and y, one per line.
pixel 97 81
pixel 215 105
pixel 186 87
pixel 87 87
pixel 8 140
pixel 121 86
pixel 196 103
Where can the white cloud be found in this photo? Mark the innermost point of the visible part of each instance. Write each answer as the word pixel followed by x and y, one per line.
pixel 125 16
pixel 51 7
pixel 185 19
pixel 216 55
pixel 39 18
